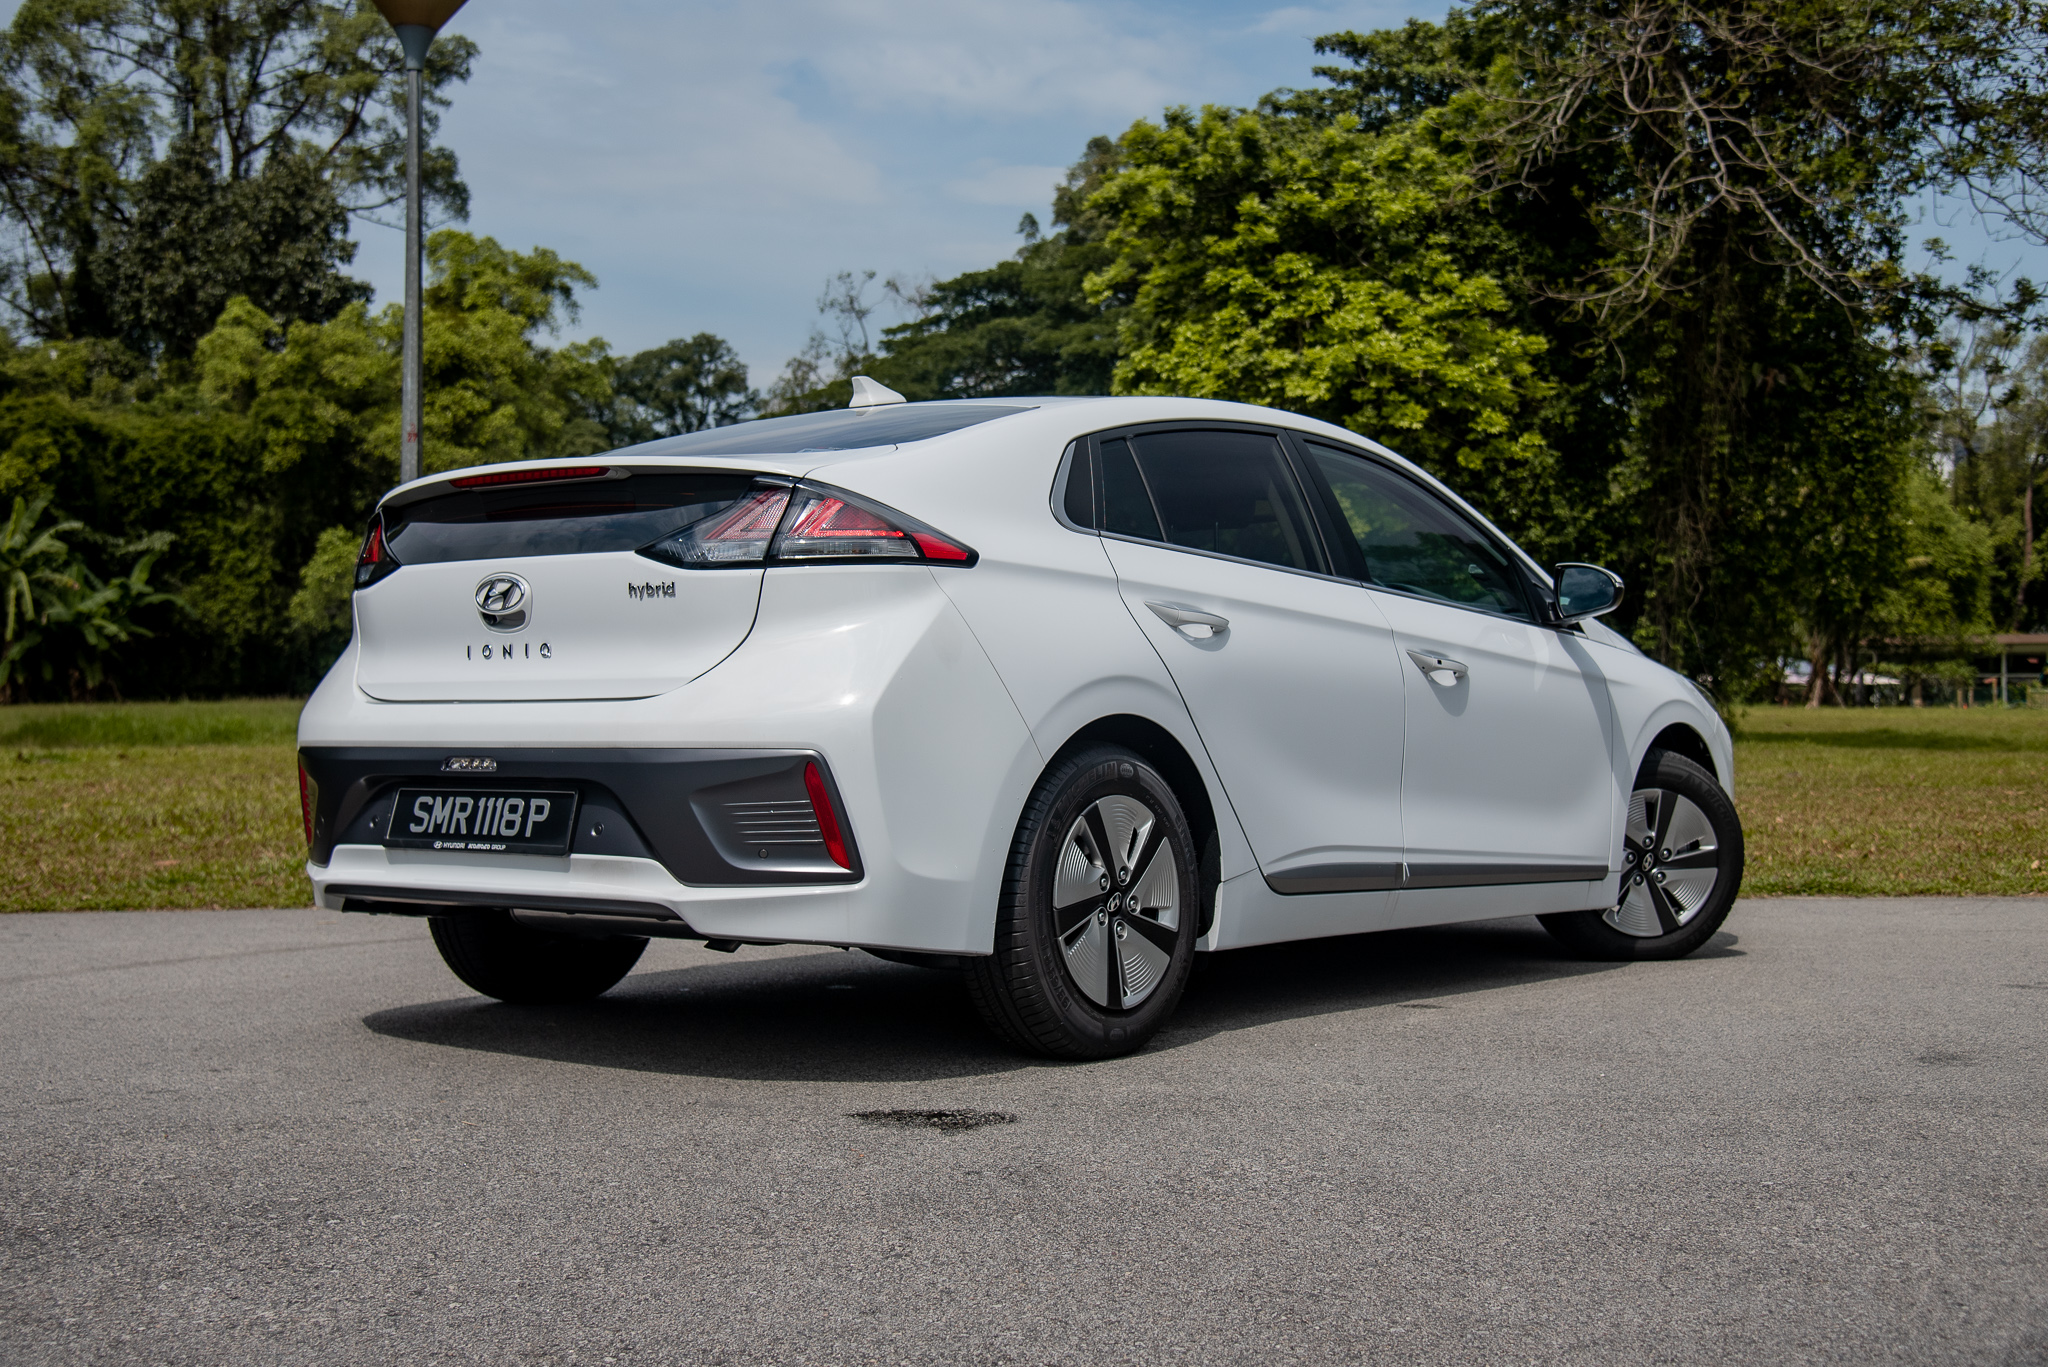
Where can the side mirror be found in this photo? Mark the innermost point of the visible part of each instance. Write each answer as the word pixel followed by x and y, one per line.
pixel 1586 591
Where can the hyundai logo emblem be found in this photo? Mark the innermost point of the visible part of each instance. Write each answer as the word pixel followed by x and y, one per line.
pixel 501 602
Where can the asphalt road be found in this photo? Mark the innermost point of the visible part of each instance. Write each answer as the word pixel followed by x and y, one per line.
pixel 293 1137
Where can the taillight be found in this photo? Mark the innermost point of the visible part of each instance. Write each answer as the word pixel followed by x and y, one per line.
pixel 306 791
pixel 818 525
pixel 502 477
pixel 827 524
pixel 376 561
pixel 828 820
pixel 737 536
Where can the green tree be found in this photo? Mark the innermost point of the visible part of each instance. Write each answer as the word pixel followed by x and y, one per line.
pixel 93 93
pixel 684 385
pixel 64 623
pixel 1312 267
pixel 190 242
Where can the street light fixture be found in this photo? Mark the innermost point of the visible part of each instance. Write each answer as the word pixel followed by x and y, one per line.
pixel 417 21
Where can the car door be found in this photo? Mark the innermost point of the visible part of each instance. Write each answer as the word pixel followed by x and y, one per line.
pixel 1288 671
pixel 1506 773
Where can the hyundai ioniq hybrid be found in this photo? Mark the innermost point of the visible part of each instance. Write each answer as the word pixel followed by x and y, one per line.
pixel 1053 692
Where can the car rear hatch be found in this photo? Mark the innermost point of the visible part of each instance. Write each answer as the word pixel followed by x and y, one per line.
pixel 530 585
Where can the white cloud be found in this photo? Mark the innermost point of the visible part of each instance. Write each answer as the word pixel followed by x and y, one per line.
pixel 1026 187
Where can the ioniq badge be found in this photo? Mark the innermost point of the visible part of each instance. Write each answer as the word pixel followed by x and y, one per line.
pixel 501 601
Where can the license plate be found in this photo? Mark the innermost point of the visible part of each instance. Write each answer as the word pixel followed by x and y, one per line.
pixel 491 821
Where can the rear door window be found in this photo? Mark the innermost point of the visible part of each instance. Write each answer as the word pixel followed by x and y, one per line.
pixel 619 512
pixel 1413 542
pixel 1229 493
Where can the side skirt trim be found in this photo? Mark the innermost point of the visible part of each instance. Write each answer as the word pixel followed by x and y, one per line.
pixel 1382 877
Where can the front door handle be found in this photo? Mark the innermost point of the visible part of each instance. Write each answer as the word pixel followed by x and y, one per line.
pixel 1437 669
pixel 1177 617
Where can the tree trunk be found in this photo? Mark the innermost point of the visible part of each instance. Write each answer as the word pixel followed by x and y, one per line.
pixel 2019 597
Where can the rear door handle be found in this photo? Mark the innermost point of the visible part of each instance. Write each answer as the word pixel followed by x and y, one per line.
pixel 1437 669
pixel 1177 617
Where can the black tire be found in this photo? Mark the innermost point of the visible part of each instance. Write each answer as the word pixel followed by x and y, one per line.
pixel 514 963
pixel 1028 990
pixel 1603 933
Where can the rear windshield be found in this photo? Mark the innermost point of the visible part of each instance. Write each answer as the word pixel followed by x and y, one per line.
pixel 570 518
pixel 840 429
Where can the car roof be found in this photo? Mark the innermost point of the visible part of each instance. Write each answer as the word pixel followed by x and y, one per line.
pixel 803 444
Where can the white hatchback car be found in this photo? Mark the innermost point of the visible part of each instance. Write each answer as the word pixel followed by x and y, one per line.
pixel 1057 692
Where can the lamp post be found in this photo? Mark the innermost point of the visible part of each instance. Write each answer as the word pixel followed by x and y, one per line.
pixel 417 21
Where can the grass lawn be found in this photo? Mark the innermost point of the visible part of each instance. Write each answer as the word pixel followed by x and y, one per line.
pixel 1867 802
pixel 136 805
pixel 117 806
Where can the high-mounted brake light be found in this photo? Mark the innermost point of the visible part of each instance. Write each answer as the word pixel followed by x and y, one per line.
pixel 529 476
pixel 735 536
pixel 376 559
pixel 831 524
pixel 828 820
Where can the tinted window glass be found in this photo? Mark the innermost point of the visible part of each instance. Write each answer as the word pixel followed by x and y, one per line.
pixel 1413 542
pixel 571 518
pixel 1228 492
pixel 1126 507
pixel 840 429
pixel 1080 499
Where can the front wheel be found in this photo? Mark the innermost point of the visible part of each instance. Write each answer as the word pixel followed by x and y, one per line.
pixel 514 963
pixel 1096 932
pixel 1682 866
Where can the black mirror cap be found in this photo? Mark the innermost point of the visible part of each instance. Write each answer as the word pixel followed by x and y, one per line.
pixel 1586 591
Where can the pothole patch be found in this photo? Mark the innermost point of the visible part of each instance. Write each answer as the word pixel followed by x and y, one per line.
pixel 936 1120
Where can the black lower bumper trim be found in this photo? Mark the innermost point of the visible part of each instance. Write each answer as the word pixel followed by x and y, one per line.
pixel 441 901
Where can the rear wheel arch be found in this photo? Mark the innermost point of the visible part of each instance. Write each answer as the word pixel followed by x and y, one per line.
pixel 1681 739
pixel 1164 752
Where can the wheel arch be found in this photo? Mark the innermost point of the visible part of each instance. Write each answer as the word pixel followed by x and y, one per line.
pixel 1681 739
pixel 1164 752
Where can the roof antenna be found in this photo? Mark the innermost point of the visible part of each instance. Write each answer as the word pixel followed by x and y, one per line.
pixel 869 393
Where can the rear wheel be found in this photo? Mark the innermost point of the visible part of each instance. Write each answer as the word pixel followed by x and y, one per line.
pixel 1682 869
pixel 1096 931
pixel 514 963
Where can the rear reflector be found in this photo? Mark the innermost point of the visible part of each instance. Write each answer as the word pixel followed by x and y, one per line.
pixel 530 476
pixel 828 820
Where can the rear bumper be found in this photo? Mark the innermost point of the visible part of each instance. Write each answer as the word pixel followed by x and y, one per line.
pixel 608 892
pixel 691 810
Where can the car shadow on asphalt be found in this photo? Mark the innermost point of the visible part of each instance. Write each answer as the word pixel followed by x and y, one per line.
pixel 848 1017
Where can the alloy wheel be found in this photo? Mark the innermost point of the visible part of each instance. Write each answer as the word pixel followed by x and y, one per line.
pixel 1116 902
pixel 1673 863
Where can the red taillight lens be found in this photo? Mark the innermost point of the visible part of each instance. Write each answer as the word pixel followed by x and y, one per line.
pixel 822 527
pixel 376 561
pixel 306 804
pixel 737 536
pixel 831 524
pixel 828 820
pixel 936 547
pixel 530 476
